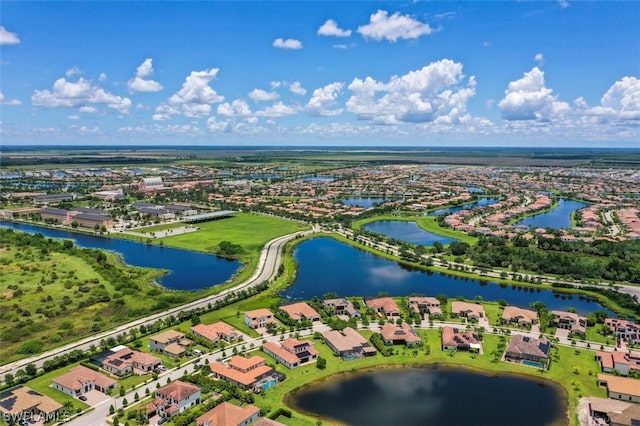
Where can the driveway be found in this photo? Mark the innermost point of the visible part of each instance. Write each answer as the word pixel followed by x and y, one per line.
pixel 95 397
pixel 562 333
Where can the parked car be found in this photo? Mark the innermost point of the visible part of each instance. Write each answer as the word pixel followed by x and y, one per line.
pixel 82 398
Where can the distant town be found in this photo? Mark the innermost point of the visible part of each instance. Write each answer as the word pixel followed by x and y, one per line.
pixel 525 269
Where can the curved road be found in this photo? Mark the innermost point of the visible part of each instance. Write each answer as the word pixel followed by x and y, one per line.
pixel 270 259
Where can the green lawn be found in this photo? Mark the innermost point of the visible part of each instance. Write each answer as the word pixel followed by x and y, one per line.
pixel 43 385
pixel 575 370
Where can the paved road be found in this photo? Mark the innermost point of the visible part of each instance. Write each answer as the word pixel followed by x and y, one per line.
pixel 608 216
pixel 270 259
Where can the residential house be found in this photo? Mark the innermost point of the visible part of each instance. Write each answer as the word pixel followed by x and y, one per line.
pixel 291 353
pixel 80 380
pixel 174 398
pixel 264 421
pixel 259 318
pixel 301 312
pixel 571 321
pixel 603 411
pixel 624 330
pixel 342 306
pixel 425 306
pixel 216 332
pixel 621 388
pixel 171 343
pixel 617 361
pixel 472 311
pixel 460 340
pixel 528 351
pixel 125 361
pixel 384 305
pixel 348 343
pixel 24 403
pixel 227 414
pixel 248 373
pixel 519 316
pixel 399 335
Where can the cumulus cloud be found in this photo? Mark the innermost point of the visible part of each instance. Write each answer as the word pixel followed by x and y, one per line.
pixel 529 99
pixel 539 58
pixel 73 71
pixel 237 108
pixel 289 43
pixel 260 95
pixel 141 82
pixel 323 99
pixel 297 89
pixel 9 102
pixel 7 37
pixel 394 27
pixel 330 28
pixel 437 92
pixel 621 103
pixel 194 99
pixel 103 77
pixel 81 94
pixel 276 110
pixel 563 3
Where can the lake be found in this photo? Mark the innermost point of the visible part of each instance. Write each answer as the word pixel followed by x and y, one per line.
pixel 433 396
pixel 364 202
pixel 481 202
pixel 406 231
pixel 328 266
pixel 189 270
pixel 558 218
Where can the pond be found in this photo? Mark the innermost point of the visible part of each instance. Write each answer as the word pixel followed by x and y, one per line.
pixel 481 202
pixel 317 179
pixel 558 218
pixel 406 231
pixel 364 202
pixel 189 270
pixel 433 396
pixel 328 266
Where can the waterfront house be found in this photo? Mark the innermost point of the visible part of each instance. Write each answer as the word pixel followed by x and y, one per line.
pixel 384 305
pixel 399 335
pixel 425 306
pixel 621 388
pixel 348 343
pixel 227 414
pixel 248 373
pixel 80 380
pixel 571 321
pixel 620 362
pixel 342 306
pixel 519 316
pixel 624 330
pixel 291 353
pixel 459 340
pixel 528 351
pixel 472 311
pixel 301 311
pixel 171 343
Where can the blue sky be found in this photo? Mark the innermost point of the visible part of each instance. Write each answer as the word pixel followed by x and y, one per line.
pixel 550 73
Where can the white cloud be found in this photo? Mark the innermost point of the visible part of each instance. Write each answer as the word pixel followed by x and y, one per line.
pixel 563 3
pixel 73 71
pixel 80 94
pixel 435 92
pixel 103 77
pixel 194 99
pixel 262 95
pixel 276 110
pixel 9 102
pixel 297 89
pixel 237 108
pixel 624 98
pixel 539 58
pixel 73 117
pixel 324 98
pixel 330 28
pixel 529 99
pixel 289 43
pixel 87 109
pixel 140 83
pixel 394 27
pixel 7 37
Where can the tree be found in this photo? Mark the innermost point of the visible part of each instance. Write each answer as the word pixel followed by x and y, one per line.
pixel 31 370
pixel 9 379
